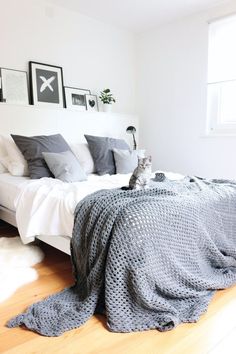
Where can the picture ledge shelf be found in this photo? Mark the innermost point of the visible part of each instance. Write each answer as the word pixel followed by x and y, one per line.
pixel 30 106
pixel 218 135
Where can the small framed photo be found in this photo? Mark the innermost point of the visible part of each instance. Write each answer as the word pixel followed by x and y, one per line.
pixel 14 86
pixel 46 82
pixel 75 98
pixel 91 103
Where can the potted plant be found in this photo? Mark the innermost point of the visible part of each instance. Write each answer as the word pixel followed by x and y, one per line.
pixel 107 99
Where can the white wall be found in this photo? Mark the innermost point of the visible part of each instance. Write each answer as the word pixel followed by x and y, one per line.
pixel 93 55
pixel 170 80
pixel 172 76
pixel 30 120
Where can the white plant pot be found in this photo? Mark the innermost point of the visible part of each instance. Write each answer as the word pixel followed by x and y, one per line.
pixel 107 108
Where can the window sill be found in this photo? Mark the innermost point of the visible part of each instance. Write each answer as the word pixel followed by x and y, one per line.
pixel 219 135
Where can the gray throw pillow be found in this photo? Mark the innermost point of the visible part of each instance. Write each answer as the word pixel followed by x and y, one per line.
pixel 101 151
pixel 126 161
pixel 32 148
pixel 65 166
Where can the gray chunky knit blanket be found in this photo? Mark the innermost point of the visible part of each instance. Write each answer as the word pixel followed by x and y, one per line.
pixel 147 259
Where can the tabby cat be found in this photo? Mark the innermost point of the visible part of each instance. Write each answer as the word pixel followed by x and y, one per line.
pixel 141 175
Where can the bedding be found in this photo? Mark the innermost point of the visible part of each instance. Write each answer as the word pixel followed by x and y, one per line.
pixel 148 259
pixel 2 148
pixel 3 163
pixel 126 161
pixel 84 156
pixel 15 161
pixel 101 151
pixel 2 168
pixel 64 166
pixel 3 155
pixel 32 148
pixel 10 190
pixel 46 206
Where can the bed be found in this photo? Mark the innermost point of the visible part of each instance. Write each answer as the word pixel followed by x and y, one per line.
pixel 148 258
pixel 164 250
pixel 44 209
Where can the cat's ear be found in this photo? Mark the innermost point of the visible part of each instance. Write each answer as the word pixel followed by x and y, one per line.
pixel 150 158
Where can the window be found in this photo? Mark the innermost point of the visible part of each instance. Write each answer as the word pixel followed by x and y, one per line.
pixel 222 76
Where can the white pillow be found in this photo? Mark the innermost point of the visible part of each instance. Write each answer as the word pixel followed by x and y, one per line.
pixel 3 157
pixel 15 162
pixel 84 156
pixel 2 167
pixel 126 161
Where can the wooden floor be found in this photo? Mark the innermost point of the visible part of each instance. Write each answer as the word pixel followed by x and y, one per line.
pixel 215 333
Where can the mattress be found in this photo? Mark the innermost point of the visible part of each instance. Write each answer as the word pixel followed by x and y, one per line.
pixel 10 189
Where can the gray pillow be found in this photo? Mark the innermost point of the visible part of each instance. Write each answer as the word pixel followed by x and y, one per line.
pixel 101 151
pixel 65 166
pixel 126 161
pixel 32 148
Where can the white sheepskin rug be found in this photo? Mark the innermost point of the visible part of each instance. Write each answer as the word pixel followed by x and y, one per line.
pixel 16 260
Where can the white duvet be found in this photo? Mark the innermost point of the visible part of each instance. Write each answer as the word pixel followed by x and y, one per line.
pixel 46 206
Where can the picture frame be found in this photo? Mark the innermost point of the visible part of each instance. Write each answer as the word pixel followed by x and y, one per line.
pixel 92 103
pixel 46 85
pixel 14 86
pixel 75 98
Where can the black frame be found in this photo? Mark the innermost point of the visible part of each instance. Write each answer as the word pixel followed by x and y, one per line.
pixel 27 84
pixel 31 81
pixel 75 88
pixel 96 99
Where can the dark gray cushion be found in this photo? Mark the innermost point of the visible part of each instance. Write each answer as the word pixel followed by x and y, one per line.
pixel 126 161
pixel 65 166
pixel 32 148
pixel 101 151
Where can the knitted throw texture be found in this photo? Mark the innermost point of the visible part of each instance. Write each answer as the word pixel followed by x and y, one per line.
pixel 147 259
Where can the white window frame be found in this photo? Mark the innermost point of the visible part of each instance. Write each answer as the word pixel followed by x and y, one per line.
pixel 215 124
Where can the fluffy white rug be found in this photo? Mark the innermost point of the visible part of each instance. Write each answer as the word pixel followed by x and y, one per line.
pixel 16 260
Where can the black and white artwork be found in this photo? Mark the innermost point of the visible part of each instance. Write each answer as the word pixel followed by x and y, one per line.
pixel 91 103
pixel 14 86
pixel 75 98
pixel 46 84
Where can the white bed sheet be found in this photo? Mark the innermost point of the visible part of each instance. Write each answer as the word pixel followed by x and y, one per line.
pixel 10 189
pixel 45 207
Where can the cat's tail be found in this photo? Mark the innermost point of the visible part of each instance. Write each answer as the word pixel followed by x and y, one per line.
pixel 126 188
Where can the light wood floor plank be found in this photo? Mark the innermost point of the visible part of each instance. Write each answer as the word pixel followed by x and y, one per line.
pixel 215 333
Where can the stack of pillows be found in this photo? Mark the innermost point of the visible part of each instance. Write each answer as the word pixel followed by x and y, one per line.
pixel 51 156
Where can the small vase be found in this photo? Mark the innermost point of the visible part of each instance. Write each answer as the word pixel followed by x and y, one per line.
pixel 107 108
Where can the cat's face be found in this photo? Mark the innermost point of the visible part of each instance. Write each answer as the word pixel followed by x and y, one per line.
pixel 145 163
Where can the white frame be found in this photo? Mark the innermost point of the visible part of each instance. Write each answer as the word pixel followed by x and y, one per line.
pixel 10 78
pixel 89 108
pixel 214 119
pixel 216 126
pixel 69 91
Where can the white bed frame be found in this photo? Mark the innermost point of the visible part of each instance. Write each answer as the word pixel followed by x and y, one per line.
pixel 33 120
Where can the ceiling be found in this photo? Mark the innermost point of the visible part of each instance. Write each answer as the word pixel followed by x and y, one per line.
pixel 137 15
